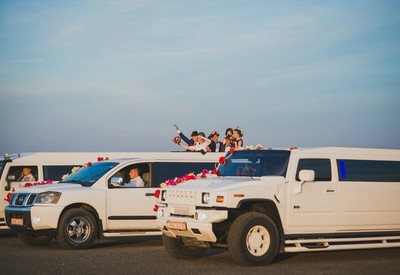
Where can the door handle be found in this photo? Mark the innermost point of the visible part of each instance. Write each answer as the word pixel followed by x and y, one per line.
pixel 149 194
pixel 329 190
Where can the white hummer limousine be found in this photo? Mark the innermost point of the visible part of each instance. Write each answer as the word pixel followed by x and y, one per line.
pixel 94 204
pixel 262 202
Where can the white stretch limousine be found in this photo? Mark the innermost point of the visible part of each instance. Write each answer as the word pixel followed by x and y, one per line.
pixel 94 204
pixel 268 201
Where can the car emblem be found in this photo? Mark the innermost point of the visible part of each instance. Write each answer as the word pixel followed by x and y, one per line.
pixel 20 199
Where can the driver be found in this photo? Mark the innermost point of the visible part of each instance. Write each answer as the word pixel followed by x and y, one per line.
pixel 136 180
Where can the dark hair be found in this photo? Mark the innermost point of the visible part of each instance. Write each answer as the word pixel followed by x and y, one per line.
pixel 240 133
pixel 202 134
pixel 136 168
pixel 213 133
pixel 194 133
pixel 228 130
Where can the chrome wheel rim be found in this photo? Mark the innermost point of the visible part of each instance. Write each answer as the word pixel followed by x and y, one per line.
pixel 78 230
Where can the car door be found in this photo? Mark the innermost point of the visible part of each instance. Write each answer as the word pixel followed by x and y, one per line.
pixel 314 207
pixel 131 208
pixel 369 192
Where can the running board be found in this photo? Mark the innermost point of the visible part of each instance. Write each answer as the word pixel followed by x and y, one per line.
pixel 322 244
pixel 131 234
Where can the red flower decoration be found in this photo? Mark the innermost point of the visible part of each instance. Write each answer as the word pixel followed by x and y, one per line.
pixel 9 195
pixel 101 158
pixel 214 171
pixel 157 193
pixel 178 180
pixel 155 208
pixel 176 140
pixel 89 164
pixel 28 184
pixel 232 150
pixel 222 161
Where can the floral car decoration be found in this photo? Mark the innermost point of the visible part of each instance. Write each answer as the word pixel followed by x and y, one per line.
pixel 191 176
pixel 204 174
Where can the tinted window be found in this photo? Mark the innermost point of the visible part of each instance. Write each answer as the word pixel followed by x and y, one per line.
pixel 162 171
pixel 55 173
pixel 369 170
pixel 321 167
pixel 255 163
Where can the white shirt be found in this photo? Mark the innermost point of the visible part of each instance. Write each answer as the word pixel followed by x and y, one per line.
pixel 200 146
pixel 136 182
pixel 29 177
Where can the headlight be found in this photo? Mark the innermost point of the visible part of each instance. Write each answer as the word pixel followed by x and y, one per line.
pixel 160 212
pixel 164 195
pixel 205 198
pixel 202 216
pixel 48 197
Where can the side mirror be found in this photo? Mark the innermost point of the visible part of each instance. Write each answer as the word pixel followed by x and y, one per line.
pixel 305 176
pixel 117 181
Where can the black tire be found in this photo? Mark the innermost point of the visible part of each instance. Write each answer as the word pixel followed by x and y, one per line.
pixel 77 229
pixel 179 250
pixel 253 239
pixel 32 240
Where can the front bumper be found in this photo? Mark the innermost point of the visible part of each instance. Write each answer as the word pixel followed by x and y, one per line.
pixel 32 218
pixel 200 226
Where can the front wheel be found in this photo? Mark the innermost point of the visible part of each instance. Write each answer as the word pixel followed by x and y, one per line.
pixel 178 249
pixel 253 239
pixel 77 229
pixel 32 240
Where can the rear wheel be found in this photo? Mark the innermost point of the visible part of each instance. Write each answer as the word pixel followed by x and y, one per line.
pixel 253 239
pixel 178 249
pixel 32 240
pixel 77 229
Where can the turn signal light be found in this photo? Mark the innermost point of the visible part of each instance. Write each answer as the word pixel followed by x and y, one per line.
pixel 220 198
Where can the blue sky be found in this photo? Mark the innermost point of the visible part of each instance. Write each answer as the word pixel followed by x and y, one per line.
pixel 115 75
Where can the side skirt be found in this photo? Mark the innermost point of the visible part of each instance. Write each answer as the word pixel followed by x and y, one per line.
pixel 340 243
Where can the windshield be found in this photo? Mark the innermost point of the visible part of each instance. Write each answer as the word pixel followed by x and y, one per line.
pixel 87 176
pixel 255 163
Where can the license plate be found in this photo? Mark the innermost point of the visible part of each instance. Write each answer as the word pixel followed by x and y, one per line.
pixel 15 221
pixel 181 226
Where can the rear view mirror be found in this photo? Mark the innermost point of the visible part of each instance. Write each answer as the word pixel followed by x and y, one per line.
pixel 304 176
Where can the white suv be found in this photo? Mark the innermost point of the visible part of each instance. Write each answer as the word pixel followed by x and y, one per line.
pixel 93 204
pixel 268 201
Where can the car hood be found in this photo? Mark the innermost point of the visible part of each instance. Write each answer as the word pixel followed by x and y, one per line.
pixel 49 187
pixel 230 183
